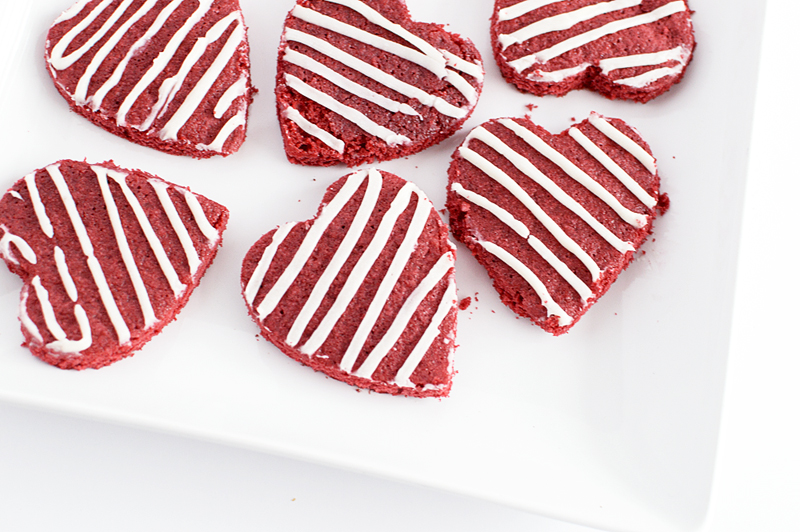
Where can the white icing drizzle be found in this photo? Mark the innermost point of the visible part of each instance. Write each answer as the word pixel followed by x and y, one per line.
pixel 48 312
pixel 57 59
pixel 592 35
pixel 155 244
pixel 362 269
pixel 375 73
pixel 343 252
pixel 679 53
pixel 236 90
pixel 124 248
pixel 264 263
pixel 161 188
pixel 564 21
pixel 198 93
pixel 556 76
pixel 83 83
pixel 5 247
pixel 459 63
pixel 502 178
pixel 646 78
pixel 624 141
pixel 353 115
pixel 73 347
pixel 403 377
pixel 200 218
pixel 522 8
pixel 571 169
pixel 438 272
pixel 160 63
pixel 530 170
pixel 63 272
pixel 239 119
pixel 584 291
pixel 38 206
pixel 312 238
pixel 26 320
pixel 611 165
pixel 15 194
pixel 107 298
pixel 306 62
pixel 553 308
pixel 97 98
pixel 312 129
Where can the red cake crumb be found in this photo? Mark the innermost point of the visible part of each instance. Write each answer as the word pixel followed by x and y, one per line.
pixel 553 218
pixel 108 257
pixel 364 292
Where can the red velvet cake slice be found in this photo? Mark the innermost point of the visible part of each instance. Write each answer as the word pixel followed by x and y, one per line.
pixel 108 257
pixel 626 49
pixel 554 219
pixel 364 292
pixel 360 81
pixel 173 75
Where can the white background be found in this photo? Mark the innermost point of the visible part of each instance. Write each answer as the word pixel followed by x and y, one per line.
pixel 62 473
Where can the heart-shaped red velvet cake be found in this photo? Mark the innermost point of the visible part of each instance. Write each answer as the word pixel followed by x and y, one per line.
pixel 628 49
pixel 170 74
pixel 108 257
pixel 364 292
pixel 360 81
pixel 554 219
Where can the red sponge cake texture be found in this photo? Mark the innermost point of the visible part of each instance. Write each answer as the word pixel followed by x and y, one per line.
pixel 107 256
pixel 554 219
pixel 364 292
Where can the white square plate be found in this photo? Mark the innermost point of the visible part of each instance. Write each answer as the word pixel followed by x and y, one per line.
pixel 613 425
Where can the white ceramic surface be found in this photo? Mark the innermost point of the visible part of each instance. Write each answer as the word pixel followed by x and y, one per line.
pixel 614 425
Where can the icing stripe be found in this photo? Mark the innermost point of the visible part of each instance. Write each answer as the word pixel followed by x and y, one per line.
pixel 584 291
pixel 57 59
pixel 553 308
pixel 38 206
pixel 48 312
pixel 353 115
pixel 375 73
pixel 107 298
pixel 304 61
pixel 26 320
pixel 100 56
pixel 237 120
pixel 155 244
pixel 72 347
pixel 97 98
pixel 23 247
pixel 631 184
pixel 531 171
pixel 556 76
pixel 439 271
pixel 200 218
pixel 646 78
pixel 518 192
pixel 61 344
pixel 312 129
pixel 361 270
pixel 522 8
pixel 159 64
pixel 679 53
pixel 448 302
pixel 624 141
pixel 564 21
pixel 610 28
pixel 177 224
pixel 63 272
pixel 124 248
pixel 571 169
pixel 312 238
pixel 204 84
pixel 15 194
pixel 264 263
pixel 237 89
pixel 343 252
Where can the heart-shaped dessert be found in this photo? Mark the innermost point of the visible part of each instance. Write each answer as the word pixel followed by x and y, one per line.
pixel 364 292
pixel 172 75
pixel 627 49
pixel 360 81
pixel 108 257
pixel 554 219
